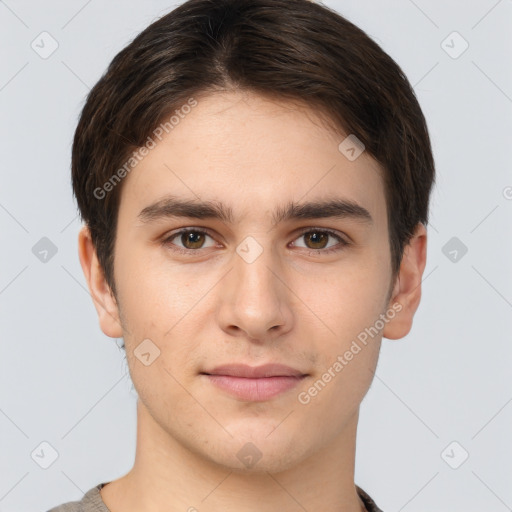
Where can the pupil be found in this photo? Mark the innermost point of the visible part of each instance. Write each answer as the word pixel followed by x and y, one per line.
pixel 190 238
pixel 315 236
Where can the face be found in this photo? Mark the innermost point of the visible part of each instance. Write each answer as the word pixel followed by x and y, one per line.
pixel 261 285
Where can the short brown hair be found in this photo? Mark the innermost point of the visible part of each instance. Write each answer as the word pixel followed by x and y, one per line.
pixel 288 49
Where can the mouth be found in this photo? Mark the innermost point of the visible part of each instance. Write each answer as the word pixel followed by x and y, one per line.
pixel 254 384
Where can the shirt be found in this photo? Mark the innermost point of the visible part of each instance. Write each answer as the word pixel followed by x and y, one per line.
pixel 92 502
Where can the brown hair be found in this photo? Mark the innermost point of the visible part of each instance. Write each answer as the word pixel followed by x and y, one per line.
pixel 290 49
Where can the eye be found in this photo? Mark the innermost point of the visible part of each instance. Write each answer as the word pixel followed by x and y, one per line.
pixel 192 240
pixel 318 239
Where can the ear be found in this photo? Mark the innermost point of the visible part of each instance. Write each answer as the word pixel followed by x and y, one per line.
pixel 104 301
pixel 407 290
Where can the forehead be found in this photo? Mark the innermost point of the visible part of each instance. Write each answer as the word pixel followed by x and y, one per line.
pixel 249 152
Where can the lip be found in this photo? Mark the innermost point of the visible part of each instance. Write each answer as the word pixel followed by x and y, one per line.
pixel 256 372
pixel 254 383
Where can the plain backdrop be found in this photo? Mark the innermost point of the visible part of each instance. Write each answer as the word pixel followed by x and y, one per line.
pixel 435 427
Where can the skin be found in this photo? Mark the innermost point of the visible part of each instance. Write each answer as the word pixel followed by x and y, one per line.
pixel 291 305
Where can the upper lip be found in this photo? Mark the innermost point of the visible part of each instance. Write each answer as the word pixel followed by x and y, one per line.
pixel 266 370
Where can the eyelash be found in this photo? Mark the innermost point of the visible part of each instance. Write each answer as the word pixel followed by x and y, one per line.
pixel 342 242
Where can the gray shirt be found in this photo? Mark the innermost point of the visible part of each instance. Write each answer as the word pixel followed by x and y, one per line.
pixel 92 502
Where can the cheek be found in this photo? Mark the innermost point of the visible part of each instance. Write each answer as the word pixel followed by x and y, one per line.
pixel 153 292
pixel 348 348
pixel 164 304
pixel 333 397
pixel 346 301
pixel 345 338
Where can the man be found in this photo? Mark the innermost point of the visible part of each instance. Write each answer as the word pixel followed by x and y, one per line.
pixel 254 177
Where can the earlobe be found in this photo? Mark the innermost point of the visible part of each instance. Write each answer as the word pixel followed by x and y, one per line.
pixel 406 295
pixel 104 302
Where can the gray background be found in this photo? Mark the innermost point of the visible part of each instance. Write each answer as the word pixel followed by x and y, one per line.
pixel 65 383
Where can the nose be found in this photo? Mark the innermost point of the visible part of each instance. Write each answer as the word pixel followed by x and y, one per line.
pixel 254 297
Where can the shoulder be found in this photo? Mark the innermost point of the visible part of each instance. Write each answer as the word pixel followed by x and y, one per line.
pixel 90 502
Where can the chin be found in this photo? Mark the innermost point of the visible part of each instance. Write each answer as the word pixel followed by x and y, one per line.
pixel 258 452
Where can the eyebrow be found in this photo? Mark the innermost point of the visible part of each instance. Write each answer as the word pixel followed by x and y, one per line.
pixel 171 206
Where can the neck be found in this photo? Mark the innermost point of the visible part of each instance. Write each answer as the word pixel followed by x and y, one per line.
pixel 168 477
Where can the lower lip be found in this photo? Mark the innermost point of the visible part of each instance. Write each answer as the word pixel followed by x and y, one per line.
pixel 256 390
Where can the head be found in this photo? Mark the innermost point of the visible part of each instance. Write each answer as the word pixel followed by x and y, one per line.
pixel 251 121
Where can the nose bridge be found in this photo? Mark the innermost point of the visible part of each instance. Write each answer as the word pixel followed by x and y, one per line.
pixel 254 299
pixel 254 280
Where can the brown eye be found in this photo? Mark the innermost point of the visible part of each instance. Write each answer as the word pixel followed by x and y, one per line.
pixel 192 239
pixel 318 239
